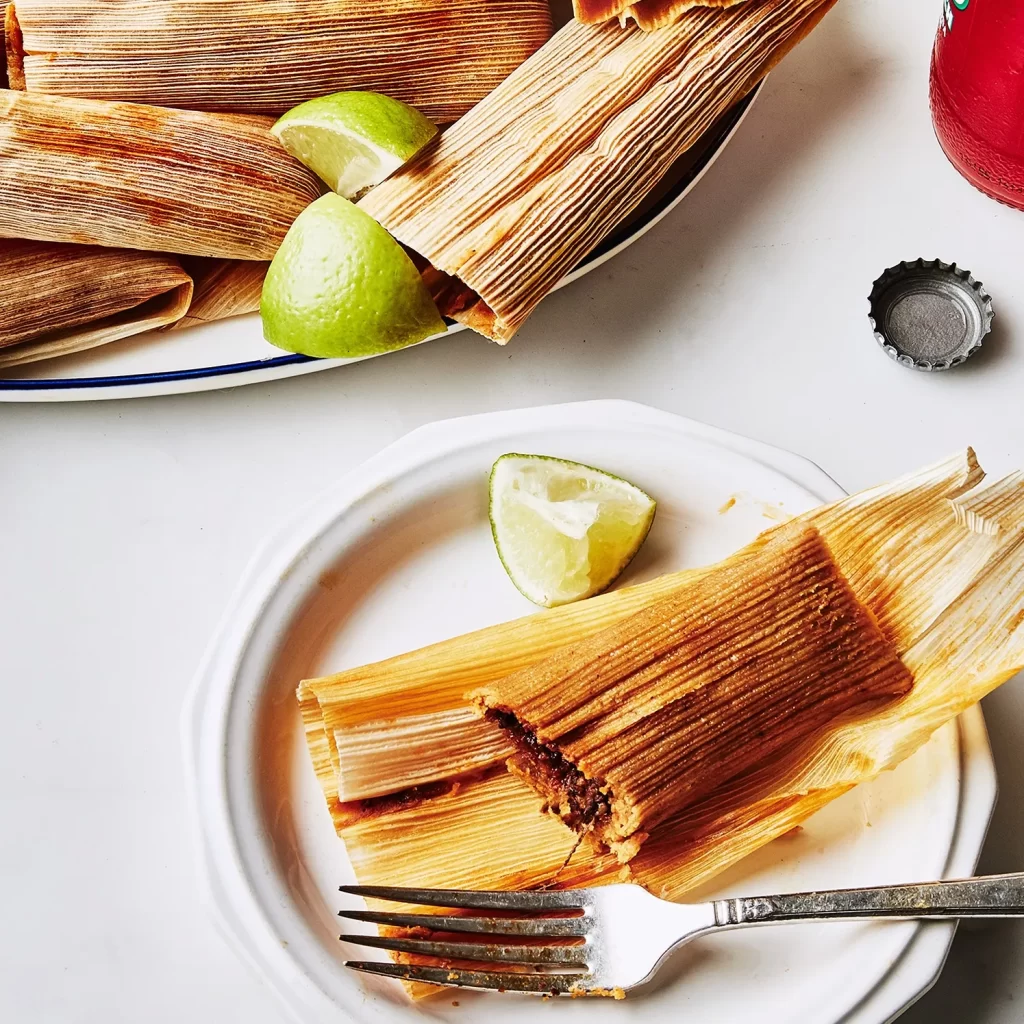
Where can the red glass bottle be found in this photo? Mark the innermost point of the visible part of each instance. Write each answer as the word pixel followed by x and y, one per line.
pixel 977 94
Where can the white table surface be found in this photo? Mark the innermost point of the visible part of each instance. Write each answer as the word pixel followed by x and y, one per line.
pixel 126 524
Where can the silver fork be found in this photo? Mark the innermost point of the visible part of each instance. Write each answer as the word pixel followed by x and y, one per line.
pixel 611 939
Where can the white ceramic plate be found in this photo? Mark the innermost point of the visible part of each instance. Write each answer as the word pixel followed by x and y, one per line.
pixel 399 554
pixel 232 352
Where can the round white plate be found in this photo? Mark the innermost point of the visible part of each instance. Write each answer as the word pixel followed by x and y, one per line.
pixel 399 554
pixel 232 352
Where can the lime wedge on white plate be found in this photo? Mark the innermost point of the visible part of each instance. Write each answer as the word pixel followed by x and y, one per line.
pixel 353 140
pixel 564 531
pixel 341 287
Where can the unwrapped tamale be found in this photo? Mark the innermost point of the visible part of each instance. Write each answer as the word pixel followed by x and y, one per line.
pixel 511 198
pixel 643 719
pixel 264 56
pixel 59 298
pixel 937 557
pixel 140 177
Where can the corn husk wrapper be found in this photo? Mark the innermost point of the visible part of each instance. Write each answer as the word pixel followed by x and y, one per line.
pixel 938 557
pixel 514 195
pixel 627 728
pixel 223 289
pixel 133 176
pixel 265 56
pixel 58 298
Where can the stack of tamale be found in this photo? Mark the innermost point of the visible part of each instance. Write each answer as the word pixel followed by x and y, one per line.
pixel 568 138
pixel 96 169
pixel 704 724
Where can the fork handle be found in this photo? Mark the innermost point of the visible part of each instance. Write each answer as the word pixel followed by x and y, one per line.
pixel 989 896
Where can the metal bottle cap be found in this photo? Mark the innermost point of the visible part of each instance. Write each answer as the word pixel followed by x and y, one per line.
pixel 929 315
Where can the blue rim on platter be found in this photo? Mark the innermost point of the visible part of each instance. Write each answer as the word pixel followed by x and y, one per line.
pixel 710 145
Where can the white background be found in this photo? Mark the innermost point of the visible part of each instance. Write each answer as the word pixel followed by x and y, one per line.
pixel 125 525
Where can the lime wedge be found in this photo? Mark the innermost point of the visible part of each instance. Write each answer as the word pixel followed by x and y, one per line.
pixel 564 531
pixel 340 287
pixel 353 140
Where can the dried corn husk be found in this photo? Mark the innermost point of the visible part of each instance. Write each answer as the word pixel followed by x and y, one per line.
pixel 264 56
pixel 409 836
pixel 512 197
pixel 223 289
pixel 939 559
pixel 626 729
pixel 126 175
pixel 59 298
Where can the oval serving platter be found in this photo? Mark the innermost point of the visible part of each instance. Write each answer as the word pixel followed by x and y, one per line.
pixel 399 554
pixel 232 352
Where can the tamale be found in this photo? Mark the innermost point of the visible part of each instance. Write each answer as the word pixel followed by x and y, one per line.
pixel 937 558
pixel 223 289
pixel 640 721
pixel 513 196
pixel 139 177
pixel 60 298
pixel 265 56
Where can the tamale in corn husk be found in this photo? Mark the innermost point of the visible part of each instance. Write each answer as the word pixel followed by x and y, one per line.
pixel 641 720
pixel 223 289
pixel 59 298
pixel 937 557
pixel 514 195
pixel 133 176
pixel 265 56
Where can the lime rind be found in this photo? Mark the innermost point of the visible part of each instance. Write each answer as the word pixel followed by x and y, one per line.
pixel 574 539
pixel 340 287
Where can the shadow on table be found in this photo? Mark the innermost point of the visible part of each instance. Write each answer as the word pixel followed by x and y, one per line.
pixel 983 981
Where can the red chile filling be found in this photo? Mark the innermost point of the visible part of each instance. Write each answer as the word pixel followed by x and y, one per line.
pixel 561 779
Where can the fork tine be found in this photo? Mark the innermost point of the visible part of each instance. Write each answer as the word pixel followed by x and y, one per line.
pixel 563 899
pixel 541 927
pixel 575 955
pixel 500 981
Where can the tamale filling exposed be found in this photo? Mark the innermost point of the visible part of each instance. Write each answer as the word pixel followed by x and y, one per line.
pixel 581 801
pixel 643 719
